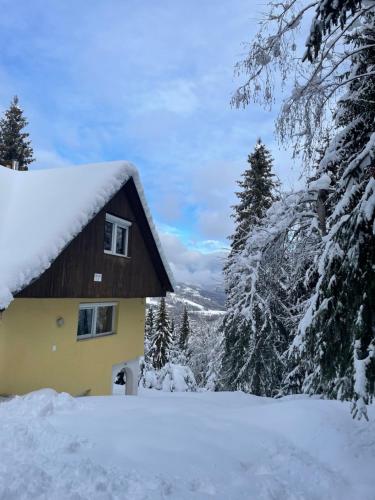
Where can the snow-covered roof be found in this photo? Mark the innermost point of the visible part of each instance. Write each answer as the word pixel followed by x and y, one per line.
pixel 42 211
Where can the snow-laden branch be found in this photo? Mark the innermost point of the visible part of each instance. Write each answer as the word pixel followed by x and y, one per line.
pixel 314 87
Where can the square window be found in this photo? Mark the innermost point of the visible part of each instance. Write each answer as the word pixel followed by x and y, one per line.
pixel 116 235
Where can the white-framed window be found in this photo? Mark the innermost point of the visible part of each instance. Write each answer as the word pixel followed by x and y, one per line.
pixel 116 235
pixel 96 319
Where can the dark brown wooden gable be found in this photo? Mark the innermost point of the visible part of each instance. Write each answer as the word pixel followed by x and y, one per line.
pixel 142 274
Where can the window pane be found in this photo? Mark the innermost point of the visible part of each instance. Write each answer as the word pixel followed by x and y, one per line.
pixel 120 240
pixel 108 228
pixel 104 317
pixel 85 322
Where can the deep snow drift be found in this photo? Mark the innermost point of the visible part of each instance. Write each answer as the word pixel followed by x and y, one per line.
pixel 183 446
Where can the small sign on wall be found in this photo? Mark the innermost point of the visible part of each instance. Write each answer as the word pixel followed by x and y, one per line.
pixel 98 277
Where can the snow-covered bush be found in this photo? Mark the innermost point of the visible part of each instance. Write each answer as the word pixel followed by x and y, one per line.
pixel 170 378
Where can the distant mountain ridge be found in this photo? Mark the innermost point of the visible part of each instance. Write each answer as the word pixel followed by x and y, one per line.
pixel 200 302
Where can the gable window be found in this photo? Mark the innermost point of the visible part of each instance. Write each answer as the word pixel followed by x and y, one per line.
pixel 116 235
pixel 95 320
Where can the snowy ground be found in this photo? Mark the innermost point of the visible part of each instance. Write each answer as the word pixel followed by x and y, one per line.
pixel 183 446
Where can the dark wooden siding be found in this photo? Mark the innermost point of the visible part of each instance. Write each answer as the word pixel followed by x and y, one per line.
pixel 142 274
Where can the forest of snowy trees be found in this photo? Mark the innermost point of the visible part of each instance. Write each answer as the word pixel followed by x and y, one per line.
pixel 178 351
pixel 301 282
pixel 300 276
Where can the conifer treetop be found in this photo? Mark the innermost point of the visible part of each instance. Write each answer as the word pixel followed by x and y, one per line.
pixel 14 142
pixel 256 195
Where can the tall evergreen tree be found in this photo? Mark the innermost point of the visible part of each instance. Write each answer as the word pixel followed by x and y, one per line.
pixel 173 328
pixel 160 348
pixel 174 348
pixel 184 332
pixel 149 331
pixel 256 195
pixel 338 331
pixel 14 142
pixel 251 328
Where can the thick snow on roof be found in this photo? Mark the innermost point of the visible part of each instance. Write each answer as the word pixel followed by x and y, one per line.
pixel 42 211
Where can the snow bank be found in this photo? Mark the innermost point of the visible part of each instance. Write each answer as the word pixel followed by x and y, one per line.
pixel 38 462
pixel 184 446
pixel 42 403
pixel 43 210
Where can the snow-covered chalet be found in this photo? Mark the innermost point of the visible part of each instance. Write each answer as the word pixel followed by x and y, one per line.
pixel 79 254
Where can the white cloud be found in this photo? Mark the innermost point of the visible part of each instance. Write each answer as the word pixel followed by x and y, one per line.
pixel 193 266
pixel 48 159
pixel 176 96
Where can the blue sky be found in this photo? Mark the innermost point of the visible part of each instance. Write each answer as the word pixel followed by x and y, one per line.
pixel 150 82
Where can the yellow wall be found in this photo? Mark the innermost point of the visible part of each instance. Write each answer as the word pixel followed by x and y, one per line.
pixel 28 332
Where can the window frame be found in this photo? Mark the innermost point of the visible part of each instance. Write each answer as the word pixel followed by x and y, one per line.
pixel 95 306
pixel 124 224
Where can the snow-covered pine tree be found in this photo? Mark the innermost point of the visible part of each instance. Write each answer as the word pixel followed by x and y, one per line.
pixel 184 332
pixel 14 143
pixel 204 356
pixel 146 367
pixel 328 14
pixel 174 351
pixel 256 194
pixel 173 328
pixel 251 327
pixel 214 352
pixel 149 332
pixel 338 329
pixel 159 352
pixel 308 227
